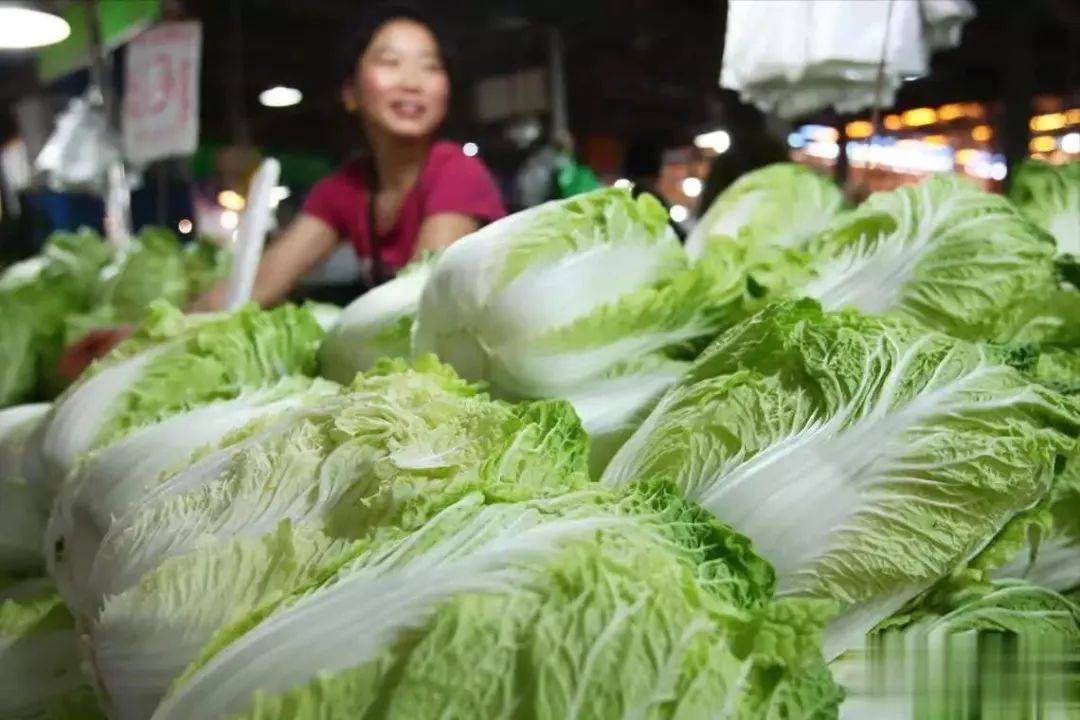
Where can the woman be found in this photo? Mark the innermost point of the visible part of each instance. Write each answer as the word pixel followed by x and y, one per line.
pixel 410 194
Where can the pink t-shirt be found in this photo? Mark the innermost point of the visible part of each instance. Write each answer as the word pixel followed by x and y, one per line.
pixel 450 182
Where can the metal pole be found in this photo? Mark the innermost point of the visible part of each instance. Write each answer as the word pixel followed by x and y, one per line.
pixel 560 123
pixel 117 189
pixel 238 125
pixel 1013 129
pixel 875 114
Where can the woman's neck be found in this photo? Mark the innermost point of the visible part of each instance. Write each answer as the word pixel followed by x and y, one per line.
pixel 398 161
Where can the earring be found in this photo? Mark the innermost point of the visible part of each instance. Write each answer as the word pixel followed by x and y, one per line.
pixel 350 105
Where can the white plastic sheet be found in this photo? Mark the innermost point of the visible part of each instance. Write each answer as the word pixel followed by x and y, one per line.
pixel 795 57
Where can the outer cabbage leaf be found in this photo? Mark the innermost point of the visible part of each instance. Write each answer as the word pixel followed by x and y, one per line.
pixel 892 455
pixel 371 465
pixel 577 606
pixel 172 364
pixel 553 301
pixel 942 253
pixel 150 267
pixel 144 637
pixel 109 481
pixel 36 296
pixel 401 446
pixel 39 660
pixel 781 205
pixel 22 520
pixel 377 324
pixel 22 525
pixel 1050 196
pixel 206 263
pixel 1054 322
pixel 154 266
pixel 326 314
pixel 73 258
pixel 1050 549
pixel 18 350
pixel 992 649
pixel 17 425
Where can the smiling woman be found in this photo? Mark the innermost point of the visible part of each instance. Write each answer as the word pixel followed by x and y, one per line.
pixel 409 194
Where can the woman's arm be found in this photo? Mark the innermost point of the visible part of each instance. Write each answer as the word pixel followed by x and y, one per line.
pixel 442 230
pixel 304 244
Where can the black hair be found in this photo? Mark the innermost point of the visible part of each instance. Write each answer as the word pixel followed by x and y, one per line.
pixel 643 156
pixel 373 19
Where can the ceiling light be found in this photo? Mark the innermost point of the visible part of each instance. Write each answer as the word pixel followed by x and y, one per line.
pixel 859 129
pixel 718 141
pixel 1042 144
pixel 230 219
pixel 919 117
pixel 280 96
pixel 231 200
pixel 22 28
pixel 1049 121
pixel 691 187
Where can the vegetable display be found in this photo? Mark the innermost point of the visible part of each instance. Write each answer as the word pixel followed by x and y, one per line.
pixel 79 283
pixel 819 460
pixel 36 298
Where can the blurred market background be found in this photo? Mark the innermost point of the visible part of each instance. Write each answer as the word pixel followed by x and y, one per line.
pixel 630 87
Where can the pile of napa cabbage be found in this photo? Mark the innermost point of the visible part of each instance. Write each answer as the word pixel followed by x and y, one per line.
pixel 568 468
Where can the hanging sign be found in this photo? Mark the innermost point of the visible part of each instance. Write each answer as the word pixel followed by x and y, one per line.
pixel 161 92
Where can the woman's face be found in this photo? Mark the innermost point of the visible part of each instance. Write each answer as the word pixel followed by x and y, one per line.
pixel 400 84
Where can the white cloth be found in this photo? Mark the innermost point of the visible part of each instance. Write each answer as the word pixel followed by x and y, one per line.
pixel 792 58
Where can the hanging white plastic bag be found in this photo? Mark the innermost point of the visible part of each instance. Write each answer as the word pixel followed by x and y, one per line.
pixel 943 21
pixel 77 155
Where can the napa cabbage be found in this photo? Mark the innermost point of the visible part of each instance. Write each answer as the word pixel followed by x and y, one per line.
pixel 866 458
pixel 377 324
pixel 583 605
pixel 943 253
pixel 1050 196
pixel 590 299
pixel 782 205
pixel 172 364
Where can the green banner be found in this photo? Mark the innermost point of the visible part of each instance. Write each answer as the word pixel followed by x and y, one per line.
pixel 121 20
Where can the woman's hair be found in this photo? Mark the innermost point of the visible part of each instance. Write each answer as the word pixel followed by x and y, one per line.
pixel 372 20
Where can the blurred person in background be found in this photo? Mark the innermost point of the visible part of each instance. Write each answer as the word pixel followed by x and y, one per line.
pixel 643 161
pixel 752 146
pixel 408 194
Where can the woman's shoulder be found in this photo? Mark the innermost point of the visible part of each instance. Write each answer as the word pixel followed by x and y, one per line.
pixel 448 156
pixel 460 183
pixel 337 192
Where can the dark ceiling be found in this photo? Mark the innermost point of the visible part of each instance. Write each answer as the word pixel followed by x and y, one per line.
pixel 633 66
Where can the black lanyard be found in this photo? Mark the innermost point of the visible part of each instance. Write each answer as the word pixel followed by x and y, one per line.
pixel 378 270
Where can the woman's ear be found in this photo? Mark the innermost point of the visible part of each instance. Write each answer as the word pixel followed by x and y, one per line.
pixel 349 99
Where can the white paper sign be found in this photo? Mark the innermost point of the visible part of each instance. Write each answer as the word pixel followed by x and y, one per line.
pixel 161 92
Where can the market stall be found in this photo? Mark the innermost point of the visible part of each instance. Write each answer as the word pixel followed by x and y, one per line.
pixel 819 460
